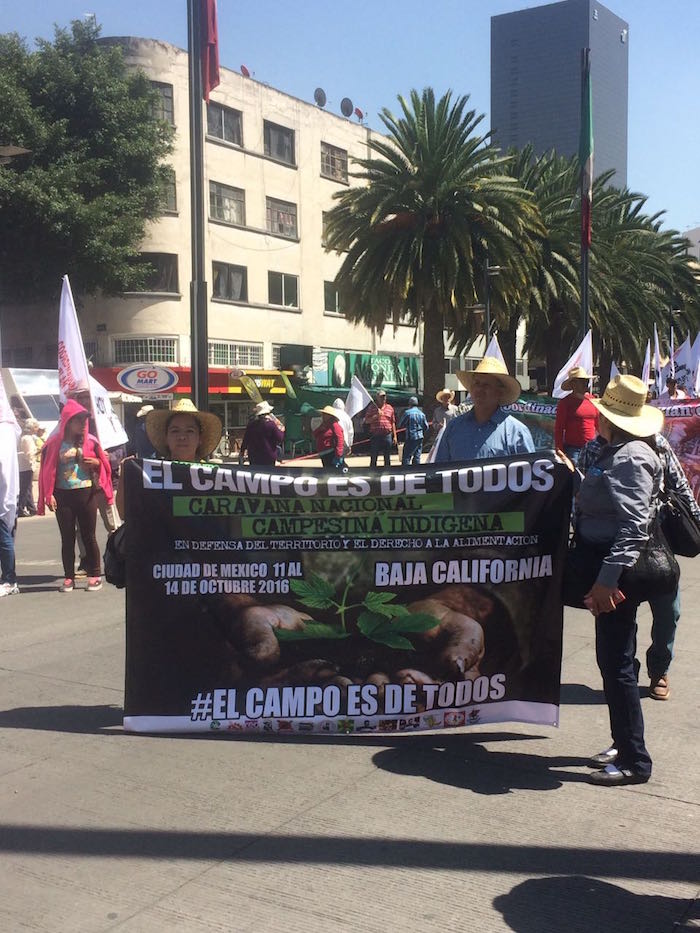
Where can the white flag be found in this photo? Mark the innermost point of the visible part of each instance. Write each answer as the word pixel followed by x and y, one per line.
pixel 73 372
pixel 657 362
pixel 614 371
pixel 358 398
pixel 494 349
pixel 74 375
pixel 695 387
pixel 582 356
pixel 672 355
pixel 109 427
pixel 683 364
pixel 646 365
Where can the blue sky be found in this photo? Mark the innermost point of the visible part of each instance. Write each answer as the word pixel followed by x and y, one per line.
pixel 372 50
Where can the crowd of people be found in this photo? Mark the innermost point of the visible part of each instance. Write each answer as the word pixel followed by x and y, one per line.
pixel 613 445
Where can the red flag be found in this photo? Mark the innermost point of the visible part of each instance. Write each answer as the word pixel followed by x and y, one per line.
pixel 210 47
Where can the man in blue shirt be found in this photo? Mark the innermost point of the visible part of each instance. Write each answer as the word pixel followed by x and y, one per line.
pixel 416 425
pixel 486 430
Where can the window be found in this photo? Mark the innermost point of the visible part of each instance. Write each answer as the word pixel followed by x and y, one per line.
pixel 227 204
pixel 283 289
pixel 230 282
pixel 163 276
pixel 281 218
pixel 163 108
pixel 334 162
pixel 225 123
pixel 330 298
pixel 223 353
pixel 276 350
pixel 169 195
pixel 279 142
pixel 145 350
pixel 90 347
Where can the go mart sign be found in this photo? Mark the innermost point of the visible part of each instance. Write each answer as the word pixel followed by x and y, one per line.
pixel 144 379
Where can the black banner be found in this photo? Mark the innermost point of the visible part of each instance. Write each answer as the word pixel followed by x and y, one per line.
pixel 297 600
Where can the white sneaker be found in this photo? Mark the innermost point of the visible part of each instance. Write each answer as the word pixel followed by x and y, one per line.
pixel 9 589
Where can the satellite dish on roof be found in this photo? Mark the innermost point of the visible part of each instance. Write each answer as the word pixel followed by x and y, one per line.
pixel 245 72
pixel 359 114
pixel 320 97
pixel 346 107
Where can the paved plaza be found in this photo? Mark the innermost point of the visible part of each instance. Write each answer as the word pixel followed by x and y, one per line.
pixel 486 829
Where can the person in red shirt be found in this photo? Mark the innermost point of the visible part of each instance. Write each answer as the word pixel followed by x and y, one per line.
pixel 381 422
pixel 330 440
pixel 576 420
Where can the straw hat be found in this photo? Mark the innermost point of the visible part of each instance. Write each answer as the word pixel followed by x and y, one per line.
pixel 329 410
pixel 491 366
pixel 445 392
pixel 144 410
pixel 262 408
pixel 623 403
pixel 578 372
pixel 209 424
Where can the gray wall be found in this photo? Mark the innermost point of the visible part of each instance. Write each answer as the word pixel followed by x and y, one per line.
pixel 536 80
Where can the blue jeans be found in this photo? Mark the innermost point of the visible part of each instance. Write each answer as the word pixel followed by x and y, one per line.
pixel 412 449
pixel 616 644
pixel 665 611
pixel 7 555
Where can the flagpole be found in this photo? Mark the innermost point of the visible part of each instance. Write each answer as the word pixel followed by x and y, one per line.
pixel 199 353
pixel 586 165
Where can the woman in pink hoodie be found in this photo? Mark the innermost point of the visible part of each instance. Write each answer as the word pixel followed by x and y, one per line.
pixel 73 468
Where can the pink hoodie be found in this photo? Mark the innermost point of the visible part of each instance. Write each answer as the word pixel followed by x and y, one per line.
pixel 49 457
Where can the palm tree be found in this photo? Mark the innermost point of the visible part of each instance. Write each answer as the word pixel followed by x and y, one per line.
pixel 435 203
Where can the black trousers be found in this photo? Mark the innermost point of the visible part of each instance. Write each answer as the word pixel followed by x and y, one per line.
pixel 616 647
pixel 78 505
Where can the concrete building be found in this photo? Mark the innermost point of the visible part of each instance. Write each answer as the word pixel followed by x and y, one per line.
pixel 536 80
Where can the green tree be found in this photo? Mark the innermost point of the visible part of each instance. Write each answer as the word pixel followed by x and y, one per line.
pixel 79 202
pixel 433 203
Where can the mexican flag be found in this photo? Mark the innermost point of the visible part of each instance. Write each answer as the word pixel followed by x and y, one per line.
pixel 585 150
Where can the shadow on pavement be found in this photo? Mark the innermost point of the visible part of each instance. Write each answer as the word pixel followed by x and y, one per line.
pixel 580 695
pixel 579 904
pixel 79 719
pixel 366 851
pixel 473 767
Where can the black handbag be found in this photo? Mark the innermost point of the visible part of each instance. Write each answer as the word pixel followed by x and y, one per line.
pixel 115 558
pixel 654 573
pixel 680 526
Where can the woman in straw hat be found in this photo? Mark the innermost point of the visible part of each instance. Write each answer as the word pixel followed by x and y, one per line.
pixel 263 437
pixel 576 421
pixel 183 432
pixel 179 433
pixel 615 506
pixel 486 430
pixel 330 440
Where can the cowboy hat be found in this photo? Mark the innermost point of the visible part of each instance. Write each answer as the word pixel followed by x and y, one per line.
pixel 578 372
pixel 329 410
pixel 445 392
pixel 493 367
pixel 144 410
pixel 262 408
pixel 623 404
pixel 209 426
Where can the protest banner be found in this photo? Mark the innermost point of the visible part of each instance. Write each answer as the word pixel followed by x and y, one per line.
pixel 304 601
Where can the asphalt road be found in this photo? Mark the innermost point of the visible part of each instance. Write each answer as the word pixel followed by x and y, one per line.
pixel 486 829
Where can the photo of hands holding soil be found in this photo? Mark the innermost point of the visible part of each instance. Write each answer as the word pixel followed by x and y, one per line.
pixel 332 629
